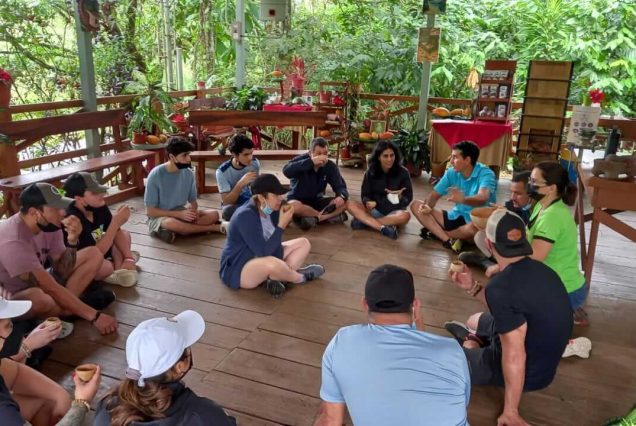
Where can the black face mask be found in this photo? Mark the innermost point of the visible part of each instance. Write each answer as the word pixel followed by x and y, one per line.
pixel 49 227
pixel 533 192
pixel 182 166
pixel 89 208
pixel 11 344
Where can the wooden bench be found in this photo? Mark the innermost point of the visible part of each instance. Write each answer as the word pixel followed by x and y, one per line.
pixel 13 186
pixel 200 157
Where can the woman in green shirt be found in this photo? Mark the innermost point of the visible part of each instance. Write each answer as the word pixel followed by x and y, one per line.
pixel 552 231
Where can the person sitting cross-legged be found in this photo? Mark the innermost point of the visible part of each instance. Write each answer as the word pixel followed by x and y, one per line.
pixel 169 188
pixel 310 173
pixel 235 175
pixel 519 343
pixel 390 371
pixel 102 230
pixel 468 184
pixel 386 193
pixel 255 253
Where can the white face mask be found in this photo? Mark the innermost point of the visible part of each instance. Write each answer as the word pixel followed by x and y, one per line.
pixel 393 198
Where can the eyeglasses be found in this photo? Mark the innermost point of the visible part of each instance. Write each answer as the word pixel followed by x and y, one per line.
pixel 537 183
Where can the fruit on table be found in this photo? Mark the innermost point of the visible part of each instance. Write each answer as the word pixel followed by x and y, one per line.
pixel 365 136
pixel 152 139
pixel 374 135
pixel 324 133
pixel 441 112
pixel 277 73
pixel 457 111
pixel 163 138
pixel 386 135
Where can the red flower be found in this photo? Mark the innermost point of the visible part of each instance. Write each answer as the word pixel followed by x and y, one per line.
pixel 596 96
pixel 5 77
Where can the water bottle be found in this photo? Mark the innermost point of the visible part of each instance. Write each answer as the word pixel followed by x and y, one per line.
pixel 613 141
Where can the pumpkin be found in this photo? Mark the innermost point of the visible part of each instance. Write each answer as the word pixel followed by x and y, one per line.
pixel 277 73
pixel 324 133
pixel 441 112
pixel 163 138
pixel 152 139
pixel 386 135
pixel 375 135
pixel 457 111
pixel 365 136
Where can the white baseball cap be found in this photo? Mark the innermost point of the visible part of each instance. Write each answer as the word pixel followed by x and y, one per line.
pixel 155 345
pixel 13 308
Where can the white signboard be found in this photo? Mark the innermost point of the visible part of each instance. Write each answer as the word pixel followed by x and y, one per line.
pixel 583 118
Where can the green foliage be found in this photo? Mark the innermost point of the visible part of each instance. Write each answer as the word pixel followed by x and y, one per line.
pixel 247 99
pixel 414 147
pixel 150 106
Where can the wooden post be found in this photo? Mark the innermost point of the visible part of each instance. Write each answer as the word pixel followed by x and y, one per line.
pixel 422 112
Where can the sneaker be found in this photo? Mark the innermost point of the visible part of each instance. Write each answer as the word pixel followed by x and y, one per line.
pixel 581 347
pixel 165 235
pixel 457 246
pixel 224 227
pixel 122 277
pixel 311 272
pixel 136 256
pixel 308 222
pixel 580 317
pixel 390 231
pixel 450 245
pixel 342 217
pixel 472 258
pixel 274 288
pixel 458 330
pixel 99 298
pixel 67 330
pixel 357 225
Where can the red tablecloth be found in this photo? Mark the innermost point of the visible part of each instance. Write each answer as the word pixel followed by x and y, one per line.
pixel 290 108
pixel 483 133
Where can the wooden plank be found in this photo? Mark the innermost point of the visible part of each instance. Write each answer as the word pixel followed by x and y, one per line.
pixel 258 118
pixel 284 347
pixel 62 156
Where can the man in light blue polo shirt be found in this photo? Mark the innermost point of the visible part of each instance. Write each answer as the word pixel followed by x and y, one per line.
pixel 468 184
pixel 388 372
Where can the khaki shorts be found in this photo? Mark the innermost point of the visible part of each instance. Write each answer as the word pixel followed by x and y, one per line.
pixel 154 223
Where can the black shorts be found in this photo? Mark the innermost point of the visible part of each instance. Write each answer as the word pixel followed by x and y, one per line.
pixel 485 363
pixel 317 204
pixel 451 225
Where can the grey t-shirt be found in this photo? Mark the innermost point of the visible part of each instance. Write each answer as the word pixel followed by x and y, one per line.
pixel 268 226
pixel 169 191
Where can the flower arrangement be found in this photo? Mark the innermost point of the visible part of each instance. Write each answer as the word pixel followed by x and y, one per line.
pixel 297 68
pixel 596 96
pixel 5 77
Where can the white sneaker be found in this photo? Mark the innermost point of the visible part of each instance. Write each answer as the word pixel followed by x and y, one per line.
pixel 136 255
pixel 225 226
pixel 122 277
pixel 581 347
pixel 67 330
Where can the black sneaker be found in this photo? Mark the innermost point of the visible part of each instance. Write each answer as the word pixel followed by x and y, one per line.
pixel 308 222
pixel 452 245
pixel 474 258
pixel 389 231
pixel 165 235
pixel 357 225
pixel 311 272
pixel 458 330
pixel 274 288
pixel 98 298
pixel 342 217
pixel 38 356
pixel 425 234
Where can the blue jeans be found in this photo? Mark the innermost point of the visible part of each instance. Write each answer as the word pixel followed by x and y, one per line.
pixel 578 297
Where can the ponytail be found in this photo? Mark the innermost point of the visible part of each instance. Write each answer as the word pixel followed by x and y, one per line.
pixel 569 195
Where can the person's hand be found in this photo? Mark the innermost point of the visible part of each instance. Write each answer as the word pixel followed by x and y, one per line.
pixel 511 419
pixel 492 270
pixel 247 179
pixel 286 215
pixel 122 215
pixel 87 390
pixel 370 205
pixel 42 335
pixel 464 280
pixel 105 324
pixel 73 228
pixel 456 195
pixel 188 215
pixel 319 160
pixel 424 208
pixel 338 202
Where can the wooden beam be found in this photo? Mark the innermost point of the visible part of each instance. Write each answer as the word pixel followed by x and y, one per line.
pixel 255 118
pixel 34 162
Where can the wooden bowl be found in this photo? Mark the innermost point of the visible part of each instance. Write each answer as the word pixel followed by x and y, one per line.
pixel 85 372
pixel 479 216
pixel 456 266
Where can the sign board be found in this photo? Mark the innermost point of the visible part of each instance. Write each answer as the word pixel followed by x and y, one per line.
pixel 584 119
pixel 434 6
pixel 428 45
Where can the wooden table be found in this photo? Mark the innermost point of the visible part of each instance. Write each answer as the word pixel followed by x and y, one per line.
pixel 607 197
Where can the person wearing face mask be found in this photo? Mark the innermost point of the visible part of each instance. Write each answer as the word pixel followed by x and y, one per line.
pixel 171 197
pixel 235 175
pixel 102 230
pixel 35 265
pixel 553 234
pixel 27 397
pixel 390 371
pixel 255 253
pixel 386 193
pixel 159 355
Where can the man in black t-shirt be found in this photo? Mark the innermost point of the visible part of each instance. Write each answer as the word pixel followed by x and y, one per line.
pixel 103 230
pixel 519 343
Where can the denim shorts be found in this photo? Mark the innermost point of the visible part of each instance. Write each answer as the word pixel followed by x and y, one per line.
pixel 578 297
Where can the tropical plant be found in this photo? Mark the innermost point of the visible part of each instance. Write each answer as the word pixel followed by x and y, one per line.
pixel 149 107
pixel 413 145
pixel 247 98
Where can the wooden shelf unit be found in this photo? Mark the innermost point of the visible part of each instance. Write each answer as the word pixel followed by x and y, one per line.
pixel 485 85
pixel 543 115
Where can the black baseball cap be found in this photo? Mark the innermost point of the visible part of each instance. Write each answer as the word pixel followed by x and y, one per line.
pixel 79 182
pixel 43 194
pixel 267 183
pixel 507 231
pixel 389 289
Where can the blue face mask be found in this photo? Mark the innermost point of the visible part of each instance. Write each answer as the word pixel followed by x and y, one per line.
pixel 526 207
pixel 267 209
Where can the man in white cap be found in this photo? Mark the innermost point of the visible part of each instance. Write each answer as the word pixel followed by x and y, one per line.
pixel 32 240
pixel 158 355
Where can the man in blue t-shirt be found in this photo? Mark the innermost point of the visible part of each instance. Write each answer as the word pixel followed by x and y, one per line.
pixel 468 184
pixel 234 176
pixel 388 372
pixel 171 197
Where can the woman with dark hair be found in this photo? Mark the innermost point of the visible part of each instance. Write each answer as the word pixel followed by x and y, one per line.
pixel 255 253
pixel 552 231
pixel 158 356
pixel 386 193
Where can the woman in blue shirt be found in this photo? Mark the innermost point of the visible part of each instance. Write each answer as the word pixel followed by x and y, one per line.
pixel 255 253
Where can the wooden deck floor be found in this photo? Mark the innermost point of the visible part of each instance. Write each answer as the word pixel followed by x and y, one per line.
pixel 260 358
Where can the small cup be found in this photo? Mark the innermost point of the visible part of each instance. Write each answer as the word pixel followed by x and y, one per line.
pixel 425 208
pixel 85 372
pixel 457 266
pixel 52 321
pixel 393 198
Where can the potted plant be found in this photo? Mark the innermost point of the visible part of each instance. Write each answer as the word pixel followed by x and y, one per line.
pixel 247 99
pixel 148 108
pixel 298 73
pixel 414 147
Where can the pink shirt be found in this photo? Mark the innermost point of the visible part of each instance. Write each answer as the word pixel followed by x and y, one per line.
pixel 22 252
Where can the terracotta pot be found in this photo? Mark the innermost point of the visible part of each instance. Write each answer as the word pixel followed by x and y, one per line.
pixel 414 171
pixel 325 97
pixel 345 153
pixel 139 138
